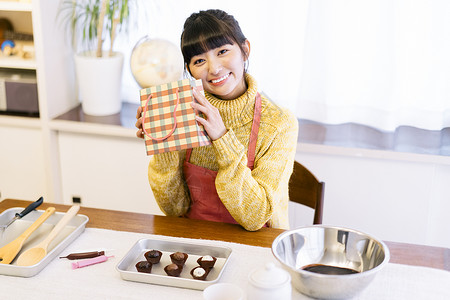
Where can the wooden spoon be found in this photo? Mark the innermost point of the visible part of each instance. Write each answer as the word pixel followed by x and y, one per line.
pixel 36 254
pixel 8 252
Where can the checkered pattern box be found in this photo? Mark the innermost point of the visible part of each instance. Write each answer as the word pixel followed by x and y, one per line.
pixel 169 120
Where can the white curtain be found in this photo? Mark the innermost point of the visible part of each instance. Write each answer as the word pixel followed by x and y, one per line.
pixel 381 63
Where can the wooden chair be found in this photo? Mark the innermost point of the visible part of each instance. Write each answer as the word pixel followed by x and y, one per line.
pixel 306 189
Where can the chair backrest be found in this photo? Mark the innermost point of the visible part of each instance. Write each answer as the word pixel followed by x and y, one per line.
pixel 306 189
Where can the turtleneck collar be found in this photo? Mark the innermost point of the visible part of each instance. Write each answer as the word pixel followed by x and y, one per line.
pixel 236 112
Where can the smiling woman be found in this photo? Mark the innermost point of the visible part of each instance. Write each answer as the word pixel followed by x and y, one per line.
pixel 243 176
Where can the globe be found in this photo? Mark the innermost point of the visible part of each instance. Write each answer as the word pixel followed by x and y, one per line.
pixel 156 61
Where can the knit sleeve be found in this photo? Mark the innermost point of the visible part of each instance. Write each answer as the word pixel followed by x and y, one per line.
pixel 252 197
pixel 165 174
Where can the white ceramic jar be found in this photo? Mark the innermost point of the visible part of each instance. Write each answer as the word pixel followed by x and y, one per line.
pixel 269 283
pixel 223 291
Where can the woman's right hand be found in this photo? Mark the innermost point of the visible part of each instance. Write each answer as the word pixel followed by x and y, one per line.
pixel 140 132
pixel 213 123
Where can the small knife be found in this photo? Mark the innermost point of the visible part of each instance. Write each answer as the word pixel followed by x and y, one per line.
pixel 26 211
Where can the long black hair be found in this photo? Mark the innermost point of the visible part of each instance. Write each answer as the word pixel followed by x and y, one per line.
pixel 209 29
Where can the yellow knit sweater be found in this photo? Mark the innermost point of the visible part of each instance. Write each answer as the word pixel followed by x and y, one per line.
pixel 252 197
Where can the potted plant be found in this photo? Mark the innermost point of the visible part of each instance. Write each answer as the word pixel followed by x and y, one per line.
pixel 94 25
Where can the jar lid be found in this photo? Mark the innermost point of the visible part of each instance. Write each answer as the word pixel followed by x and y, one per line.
pixel 269 277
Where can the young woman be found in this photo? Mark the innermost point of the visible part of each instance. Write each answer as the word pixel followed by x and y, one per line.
pixel 243 176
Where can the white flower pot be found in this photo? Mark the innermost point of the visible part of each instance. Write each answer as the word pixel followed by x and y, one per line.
pixel 99 81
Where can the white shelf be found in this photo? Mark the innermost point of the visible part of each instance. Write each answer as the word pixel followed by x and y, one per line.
pixel 92 129
pixel 54 75
pixel 17 63
pixel 15 6
pixel 372 153
pixel 24 122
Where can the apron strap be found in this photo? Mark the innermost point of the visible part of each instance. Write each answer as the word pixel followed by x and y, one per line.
pixel 253 135
pixel 188 154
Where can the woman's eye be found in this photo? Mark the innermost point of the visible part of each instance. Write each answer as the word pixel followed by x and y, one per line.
pixel 198 61
pixel 222 51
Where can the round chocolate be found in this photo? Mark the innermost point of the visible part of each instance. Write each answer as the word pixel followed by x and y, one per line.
pixel 153 256
pixel 173 270
pixel 144 267
pixel 207 261
pixel 199 273
pixel 179 258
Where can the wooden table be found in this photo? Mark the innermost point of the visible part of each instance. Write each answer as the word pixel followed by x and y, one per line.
pixel 401 253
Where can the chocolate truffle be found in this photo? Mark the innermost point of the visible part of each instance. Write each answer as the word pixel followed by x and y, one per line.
pixel 207 261
pixel 178 258
pixel 144 267
pixel 173 270
pixel 199 273
pixel 153 256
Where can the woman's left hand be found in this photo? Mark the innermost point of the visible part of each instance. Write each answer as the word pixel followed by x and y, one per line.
pixel 213 123
pixel 140 132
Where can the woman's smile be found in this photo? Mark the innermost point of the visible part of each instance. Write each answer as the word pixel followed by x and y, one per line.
pixel 221 80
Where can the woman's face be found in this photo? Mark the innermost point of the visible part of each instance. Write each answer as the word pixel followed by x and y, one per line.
pixel 221 70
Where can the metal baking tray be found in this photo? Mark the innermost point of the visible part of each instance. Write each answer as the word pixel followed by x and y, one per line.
pixel 72 230
pixel 127 266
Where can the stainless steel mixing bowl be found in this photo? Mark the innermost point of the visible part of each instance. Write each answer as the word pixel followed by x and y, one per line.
pixel 326 248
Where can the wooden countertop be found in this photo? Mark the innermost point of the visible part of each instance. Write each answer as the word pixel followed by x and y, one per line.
pixel 401 253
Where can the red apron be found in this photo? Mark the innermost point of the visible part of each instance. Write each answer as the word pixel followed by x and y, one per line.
pixel 205 202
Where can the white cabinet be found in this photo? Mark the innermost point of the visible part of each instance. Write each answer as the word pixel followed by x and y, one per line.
pixel 395 196
pixel 54 71
pixel 62 159
pixel 22 169
pixel 106 172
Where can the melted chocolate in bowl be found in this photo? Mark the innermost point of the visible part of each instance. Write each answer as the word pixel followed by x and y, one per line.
pixel 329 270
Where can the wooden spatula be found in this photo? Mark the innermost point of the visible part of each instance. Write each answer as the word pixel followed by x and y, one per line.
pixel 34 255
pixel 9 251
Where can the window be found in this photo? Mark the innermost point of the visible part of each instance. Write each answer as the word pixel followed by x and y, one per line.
pixel 381 65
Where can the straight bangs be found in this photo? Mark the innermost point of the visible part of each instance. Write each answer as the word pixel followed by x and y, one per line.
pixel 203 36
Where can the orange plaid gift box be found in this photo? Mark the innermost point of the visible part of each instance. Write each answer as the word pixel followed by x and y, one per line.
pixel 169 120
